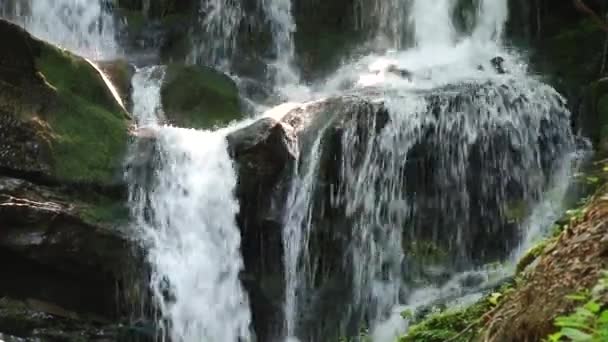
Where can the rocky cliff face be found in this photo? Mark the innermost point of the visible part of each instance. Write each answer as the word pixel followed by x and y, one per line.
pixel 62 205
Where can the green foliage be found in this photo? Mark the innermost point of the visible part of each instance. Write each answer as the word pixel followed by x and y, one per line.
pixel 589 321
pixel 532 254
pixel 199 97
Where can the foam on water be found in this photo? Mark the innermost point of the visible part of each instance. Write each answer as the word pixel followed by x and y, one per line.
pixel 183 203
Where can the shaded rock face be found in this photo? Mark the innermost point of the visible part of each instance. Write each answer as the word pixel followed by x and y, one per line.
pixel 62 207
pixel 265 153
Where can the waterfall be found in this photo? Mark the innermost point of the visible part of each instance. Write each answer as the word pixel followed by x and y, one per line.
pixel 465 152
pixel 183 203
pixel 282 24
pixel 220 21
pixel 83 26
pixel 433 22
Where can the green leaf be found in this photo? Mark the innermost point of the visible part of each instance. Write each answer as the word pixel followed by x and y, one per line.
pixel 578 297
pixel 593 180
pixel 593 307
pixel 576 335
pixel 604 317
pixel 495 298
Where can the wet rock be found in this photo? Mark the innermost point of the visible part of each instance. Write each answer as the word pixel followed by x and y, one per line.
pixel 498 64
pixel 60 241
pixel 199 97
pixel 348 129
pixel 63 137
pixel 58 119
pixel 265 154
pixel 120 73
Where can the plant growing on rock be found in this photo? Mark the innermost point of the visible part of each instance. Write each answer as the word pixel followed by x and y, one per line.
pixel 589 322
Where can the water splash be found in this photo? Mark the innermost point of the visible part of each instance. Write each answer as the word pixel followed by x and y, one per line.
pixel 183 202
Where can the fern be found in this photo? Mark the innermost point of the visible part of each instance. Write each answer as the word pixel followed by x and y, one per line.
pixel 589 322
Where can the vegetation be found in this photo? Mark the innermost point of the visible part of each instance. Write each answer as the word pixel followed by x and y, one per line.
pixel 454 325
pixel 589 321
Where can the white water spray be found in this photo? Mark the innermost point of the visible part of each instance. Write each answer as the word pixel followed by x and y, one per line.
pixel 220 21
pixel 432 21
pixel 186 211
pixel 83 26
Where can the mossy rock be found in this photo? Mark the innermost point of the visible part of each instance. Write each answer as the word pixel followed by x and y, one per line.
pixel 199 97
pixel 120 72
pixel 457 325
pixel 58 118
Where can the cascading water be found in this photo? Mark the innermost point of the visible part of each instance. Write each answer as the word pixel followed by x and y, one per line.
pixel 82 26
pixel 183 202
pixel 443 155
pixel 465 153
pixel 283 27
pixel 432 21
pixel 220 21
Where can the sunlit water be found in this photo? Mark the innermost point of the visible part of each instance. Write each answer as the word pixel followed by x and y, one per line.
pixel 85 27
pixel 183 203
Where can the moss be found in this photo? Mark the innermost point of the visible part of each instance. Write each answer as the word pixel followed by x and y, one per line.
pixel 442 326
pixel 426 252
pixel 72 74
pixel 199 97
pixel 532 254
pixel 105 211
pixel 89 128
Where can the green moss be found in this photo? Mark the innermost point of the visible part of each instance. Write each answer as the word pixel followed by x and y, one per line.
pixel 199 97
pixel 426 252
pixel 105 211
pixel 532 254
pixel 442 326
pixel 71 74
pixel 89 128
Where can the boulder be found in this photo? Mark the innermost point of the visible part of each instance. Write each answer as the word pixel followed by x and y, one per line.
pixel 58 119
pixel 63 137
pixel 437 139
pixel 199 97
pixel 79 256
